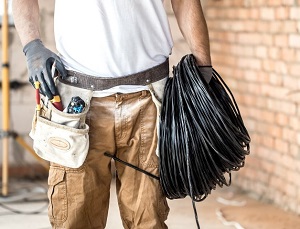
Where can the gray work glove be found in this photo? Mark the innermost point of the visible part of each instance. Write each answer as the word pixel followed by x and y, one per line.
pixel 206 72
pixel 40 61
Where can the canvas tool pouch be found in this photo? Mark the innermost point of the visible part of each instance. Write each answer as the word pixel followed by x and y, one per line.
pixel 60 137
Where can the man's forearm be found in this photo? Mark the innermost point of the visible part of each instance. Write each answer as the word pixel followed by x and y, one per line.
pixel 193 26
pixel 26 19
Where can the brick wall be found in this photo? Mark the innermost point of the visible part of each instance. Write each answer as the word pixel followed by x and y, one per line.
pixel 255 46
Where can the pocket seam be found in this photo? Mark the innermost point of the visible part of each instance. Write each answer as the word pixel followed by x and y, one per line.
pixel 57 183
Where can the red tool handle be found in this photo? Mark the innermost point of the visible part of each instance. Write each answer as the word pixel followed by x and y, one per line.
pixel 37 95
pixel 57 102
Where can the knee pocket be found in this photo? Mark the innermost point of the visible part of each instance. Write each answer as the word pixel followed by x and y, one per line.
pixel 58 193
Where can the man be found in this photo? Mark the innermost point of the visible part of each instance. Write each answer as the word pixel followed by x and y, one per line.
pixel 121 49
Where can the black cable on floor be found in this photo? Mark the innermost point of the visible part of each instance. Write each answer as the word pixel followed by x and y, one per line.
pixel 16 211
pixel 202 134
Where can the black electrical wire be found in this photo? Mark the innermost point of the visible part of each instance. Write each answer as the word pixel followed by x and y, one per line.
pixel 17 211
pixel 202 134
pixel 131 165
pixel 21 198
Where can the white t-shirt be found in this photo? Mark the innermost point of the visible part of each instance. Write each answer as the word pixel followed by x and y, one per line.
pixel 112 38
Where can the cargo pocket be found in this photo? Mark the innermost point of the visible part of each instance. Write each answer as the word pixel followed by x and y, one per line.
pixel 57 195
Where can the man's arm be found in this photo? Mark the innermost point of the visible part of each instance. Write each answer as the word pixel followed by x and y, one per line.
pixel 191 21
pixel 40 60
pixel 26 19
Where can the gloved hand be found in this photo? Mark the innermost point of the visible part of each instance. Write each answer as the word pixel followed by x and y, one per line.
pixel 39 63
pixel 206 72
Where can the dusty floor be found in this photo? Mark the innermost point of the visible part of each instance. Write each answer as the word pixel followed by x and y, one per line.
pixel 225 208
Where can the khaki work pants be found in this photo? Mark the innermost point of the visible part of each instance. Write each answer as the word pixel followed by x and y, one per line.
pixel 124 125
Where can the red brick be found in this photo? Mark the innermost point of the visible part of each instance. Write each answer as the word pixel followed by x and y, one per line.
pixel 281 67
pixel 274 52
pixel 213 24
pixel 276 132
pixel 274 2
pixel 243 50
pixel 295 13
pixel 290 83
pixel 234 3
pixel 294 40
pixel 293 177
pixel 282 146
pixel 268 65
pixel 242 13
pixel 215 46
pixel 262 26
pixel 249 38
pixel 263 77
pixel 261 51
pixel 267 13
pixel 294 69
pixel 247 99
pixel 268 141
pixel 254 13
pixel 258 2
pixel 289 135
pixel 267 39
pixel 290 27
pixel 288 162
pixel 298 138
pixel 271 91
pixel 280 106
pixel 250 124
pixel 275 79
pixel 297 57
pixel 250 26
pixel 275 27
pixel 281 119
pixel 251 75
pixel 267 166
pixel 230 13
pixel 282 12
pixel 288 54
pixel 249 63
pixel 290 190
pixel 235 25
pixel 294 150
pixel 298 166
pixel 281 40
pixel 295 124
pixel 288 2
pixel 276 182
pixel 212 13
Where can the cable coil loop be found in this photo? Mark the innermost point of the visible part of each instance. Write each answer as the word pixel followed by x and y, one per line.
pixel 202 134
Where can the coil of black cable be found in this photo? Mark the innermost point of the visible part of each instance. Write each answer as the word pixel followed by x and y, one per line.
pixel 202 134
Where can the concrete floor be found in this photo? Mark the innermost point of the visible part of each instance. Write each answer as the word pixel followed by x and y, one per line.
pixel 226 208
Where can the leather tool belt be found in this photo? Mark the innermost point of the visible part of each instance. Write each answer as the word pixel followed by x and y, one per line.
pixel 96 83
